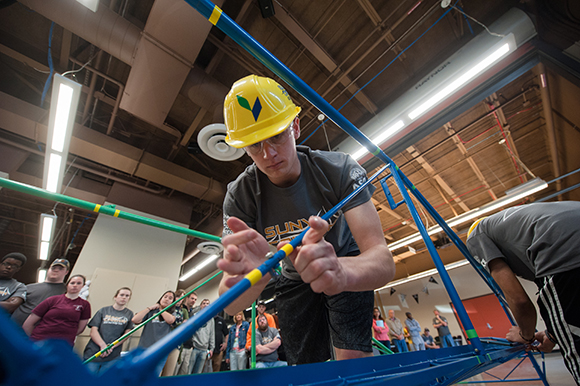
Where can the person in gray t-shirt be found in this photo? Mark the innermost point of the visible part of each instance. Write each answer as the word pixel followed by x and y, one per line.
pixel 36 293
pixel 538 242
pixel 107 325
pixel 267 343
pixel 12 292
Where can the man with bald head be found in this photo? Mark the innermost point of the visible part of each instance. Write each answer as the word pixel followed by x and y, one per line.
pixel 396 332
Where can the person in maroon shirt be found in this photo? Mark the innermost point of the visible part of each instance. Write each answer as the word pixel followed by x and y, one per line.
pixel 61 316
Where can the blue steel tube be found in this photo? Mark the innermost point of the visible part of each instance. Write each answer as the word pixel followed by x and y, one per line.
pixel 451 291
pixel 245 40
pixel 148 359
pixel 461 246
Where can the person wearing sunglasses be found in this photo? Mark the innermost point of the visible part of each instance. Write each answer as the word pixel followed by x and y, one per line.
pixel 326 285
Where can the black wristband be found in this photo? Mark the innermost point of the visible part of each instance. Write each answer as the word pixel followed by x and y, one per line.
pixel 528 340
pixel 550 337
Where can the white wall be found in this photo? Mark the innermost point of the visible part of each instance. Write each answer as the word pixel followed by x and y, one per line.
pixel 468 285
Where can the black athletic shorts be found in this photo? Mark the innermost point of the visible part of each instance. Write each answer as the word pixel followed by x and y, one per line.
pixel 308 321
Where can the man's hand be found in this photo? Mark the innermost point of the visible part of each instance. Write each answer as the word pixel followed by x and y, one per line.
pixel 546 345
pixel 244 250
pixel 316 260
pixel 514 335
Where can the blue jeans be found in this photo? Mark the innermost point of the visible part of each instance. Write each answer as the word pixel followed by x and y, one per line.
pixel 447 341
pixel 263 365
pixel 197 360
pixel 97 367
pixel 238 360
pixel 401 345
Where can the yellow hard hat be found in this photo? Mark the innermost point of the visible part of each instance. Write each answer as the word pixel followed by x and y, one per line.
pixel 472 227
pixel 255 109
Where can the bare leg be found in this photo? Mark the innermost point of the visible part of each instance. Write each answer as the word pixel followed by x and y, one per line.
pixel 342 354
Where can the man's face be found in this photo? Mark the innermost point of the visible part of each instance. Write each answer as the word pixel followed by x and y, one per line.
pixel 204 303
pixel 280 162
pixel 9 267
pixel 409 316
pixel 436 312
pixel 391 314
pixel 190 301
pixel 262 323
pixel 56 274
pixel 261 309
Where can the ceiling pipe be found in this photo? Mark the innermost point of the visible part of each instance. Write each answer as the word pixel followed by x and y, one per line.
pixel 105 29
pixel 551 131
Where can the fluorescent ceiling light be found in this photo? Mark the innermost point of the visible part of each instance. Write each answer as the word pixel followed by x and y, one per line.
pixel 47 222
pixel 512 195
pixel 63 105
pixel 423 274
pixel 463 79
pixel 41 275
pixel 90 4
pixel 197 268
pixel 383 136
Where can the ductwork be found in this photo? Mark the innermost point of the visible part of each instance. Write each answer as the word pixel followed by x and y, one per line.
pixel 105 29
pixel 206 92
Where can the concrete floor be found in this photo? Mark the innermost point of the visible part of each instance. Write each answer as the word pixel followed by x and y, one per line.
pixel 556 372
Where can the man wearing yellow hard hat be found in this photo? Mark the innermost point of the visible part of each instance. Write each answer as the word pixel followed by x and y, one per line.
pixel 539 242
pixel 324 296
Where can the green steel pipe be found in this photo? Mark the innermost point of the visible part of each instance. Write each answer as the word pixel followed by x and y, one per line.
pixel 382 347
pixel 253 326
pixel 108 209
pixel 117 341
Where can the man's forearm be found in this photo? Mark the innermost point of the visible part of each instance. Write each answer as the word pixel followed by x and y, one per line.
pixel 247 298
pixel 369 270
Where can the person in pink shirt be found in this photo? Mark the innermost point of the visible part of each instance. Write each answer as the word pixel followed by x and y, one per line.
pixel 380 328
pixel 60 316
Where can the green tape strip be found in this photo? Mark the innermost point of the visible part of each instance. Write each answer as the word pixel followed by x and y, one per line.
pixel 471 334
pixel 376 151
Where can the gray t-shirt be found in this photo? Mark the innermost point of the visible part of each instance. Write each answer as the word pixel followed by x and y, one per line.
pixel 35 294
pixel 154 330
pixel 12 288
pixel 442 330
pixel 282 213
pixel 265 337
pixel 535 240
pixel 111 324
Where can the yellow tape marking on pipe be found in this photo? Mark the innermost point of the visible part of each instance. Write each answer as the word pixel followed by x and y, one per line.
pixel 288 249
pixel 97 208
pixel 117 213
pixel 254 276
pixel 215 15
pixel 98 354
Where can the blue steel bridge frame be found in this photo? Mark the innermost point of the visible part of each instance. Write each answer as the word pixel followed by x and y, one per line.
pixel 52 363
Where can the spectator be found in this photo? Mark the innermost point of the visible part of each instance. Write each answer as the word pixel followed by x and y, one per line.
pixel 187 310
pixel 428 339
pixel 221 342
pixel 440 323
pixel 12 292
pixel 171 363
pixel 60 316
pixel 37 292
pixel 267 343
pixel 158 327
pixel 396 333
pixel 236 350
pixel 326 286
pixel 203 343
pixel 415 332
pixel 380 328
pixel 108 325
pixel 261 309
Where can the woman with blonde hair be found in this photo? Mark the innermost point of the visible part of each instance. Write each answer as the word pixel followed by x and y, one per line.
pixel 236 349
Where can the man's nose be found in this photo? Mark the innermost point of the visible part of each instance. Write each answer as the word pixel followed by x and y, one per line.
pixel 268 151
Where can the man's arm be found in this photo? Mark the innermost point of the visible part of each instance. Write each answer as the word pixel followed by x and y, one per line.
pixel 11 304
pixel 317 263
pixel 268 348
pixel 520 304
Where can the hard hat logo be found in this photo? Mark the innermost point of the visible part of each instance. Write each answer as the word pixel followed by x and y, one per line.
pixel 246 105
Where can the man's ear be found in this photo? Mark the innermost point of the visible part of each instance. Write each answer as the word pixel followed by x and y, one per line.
pixel 296 128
